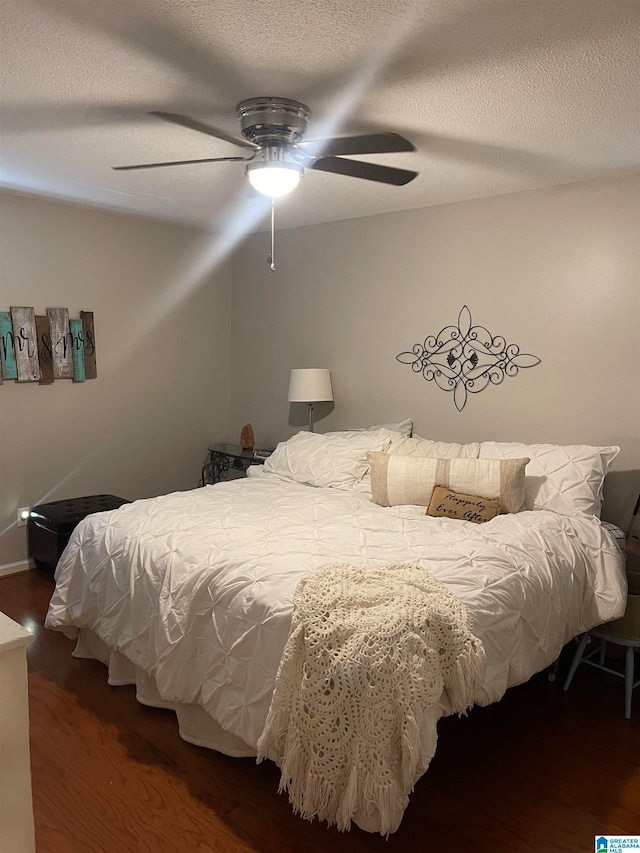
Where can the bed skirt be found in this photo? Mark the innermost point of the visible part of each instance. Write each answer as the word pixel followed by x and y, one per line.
pixel 194 724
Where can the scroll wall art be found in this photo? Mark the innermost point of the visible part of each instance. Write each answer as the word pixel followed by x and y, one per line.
pixel 465 359
pixel 42 348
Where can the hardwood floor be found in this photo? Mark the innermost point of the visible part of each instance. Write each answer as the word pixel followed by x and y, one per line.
pixel 542 771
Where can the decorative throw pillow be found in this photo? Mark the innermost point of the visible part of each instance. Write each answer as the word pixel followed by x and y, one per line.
pixel 447 504
pixel 418 446
pixel 326 460
pixel 398 480
pixel 560 478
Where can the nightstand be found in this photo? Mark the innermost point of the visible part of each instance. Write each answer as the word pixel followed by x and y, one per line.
pixel 231 456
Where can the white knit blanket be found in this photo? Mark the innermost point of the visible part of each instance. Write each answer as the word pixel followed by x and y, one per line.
pixel 370 651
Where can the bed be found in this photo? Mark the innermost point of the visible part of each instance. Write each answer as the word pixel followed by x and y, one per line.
pixel 190 595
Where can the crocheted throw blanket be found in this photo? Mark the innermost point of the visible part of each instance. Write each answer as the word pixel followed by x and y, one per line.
pixel 370 651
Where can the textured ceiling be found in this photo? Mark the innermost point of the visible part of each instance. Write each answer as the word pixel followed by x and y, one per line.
pixel 497 96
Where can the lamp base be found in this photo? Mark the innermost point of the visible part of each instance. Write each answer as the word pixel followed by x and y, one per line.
pixel 310 417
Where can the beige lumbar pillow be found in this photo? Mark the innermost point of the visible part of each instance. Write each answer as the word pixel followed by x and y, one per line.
pixel 399 480
pixel 447 504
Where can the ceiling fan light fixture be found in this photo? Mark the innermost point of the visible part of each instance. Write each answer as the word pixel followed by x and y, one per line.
pixel 274 179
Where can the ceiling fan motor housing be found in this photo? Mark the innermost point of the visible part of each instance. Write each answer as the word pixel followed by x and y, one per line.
pixel 266 121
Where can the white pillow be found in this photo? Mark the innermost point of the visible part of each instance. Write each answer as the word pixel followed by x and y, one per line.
pixel 561 478
pixel 338 460
pixel 421 447
pixel 404 427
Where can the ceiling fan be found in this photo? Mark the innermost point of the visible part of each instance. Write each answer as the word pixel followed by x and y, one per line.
pixel 274 130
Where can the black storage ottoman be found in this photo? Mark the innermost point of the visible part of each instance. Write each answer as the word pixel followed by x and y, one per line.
pixel 50 525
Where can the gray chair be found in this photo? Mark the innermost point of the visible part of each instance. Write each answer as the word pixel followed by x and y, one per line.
pixel 607 635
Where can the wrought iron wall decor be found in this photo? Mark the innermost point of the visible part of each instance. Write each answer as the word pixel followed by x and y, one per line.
pixel 465 359
pixel 41 348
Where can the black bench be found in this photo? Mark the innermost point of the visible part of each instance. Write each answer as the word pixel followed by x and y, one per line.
pixel 50 525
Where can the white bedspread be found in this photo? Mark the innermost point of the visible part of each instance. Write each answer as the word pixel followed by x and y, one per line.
pixel 197 587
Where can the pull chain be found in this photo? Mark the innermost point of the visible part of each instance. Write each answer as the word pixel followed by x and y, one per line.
pixel 271 258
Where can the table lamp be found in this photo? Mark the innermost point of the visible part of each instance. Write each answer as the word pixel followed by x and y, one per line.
pixel 310 385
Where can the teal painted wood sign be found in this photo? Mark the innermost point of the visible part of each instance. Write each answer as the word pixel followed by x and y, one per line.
pixel 77 350
pixel 43 348
pixel 7 352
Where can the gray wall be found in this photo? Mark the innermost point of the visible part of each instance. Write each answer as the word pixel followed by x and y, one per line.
pixel 163 342
pixel 556 271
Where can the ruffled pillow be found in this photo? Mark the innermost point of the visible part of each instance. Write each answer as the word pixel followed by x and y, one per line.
pixel 403 427
pixel 338 460
pixel 561 478
pixel 418 446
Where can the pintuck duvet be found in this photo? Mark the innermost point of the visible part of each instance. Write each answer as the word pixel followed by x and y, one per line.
pixel 196 588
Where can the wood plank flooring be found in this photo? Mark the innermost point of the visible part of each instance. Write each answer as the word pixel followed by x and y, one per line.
pixel 542 771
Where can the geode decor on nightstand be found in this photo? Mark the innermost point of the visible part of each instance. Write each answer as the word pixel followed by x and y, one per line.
pixel 246 437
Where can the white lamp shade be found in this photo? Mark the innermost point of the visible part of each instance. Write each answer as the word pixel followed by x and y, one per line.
pixel 310 385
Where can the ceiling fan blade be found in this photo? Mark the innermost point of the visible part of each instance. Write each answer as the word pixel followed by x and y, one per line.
pixel 201 127
pixel 368 171
pixel 368 143
pixel 179 163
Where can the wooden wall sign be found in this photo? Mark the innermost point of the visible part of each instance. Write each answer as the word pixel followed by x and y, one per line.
pixel 25 344
pixel 61 343
pixel 46 347
pixel 7 355
pixel 77 350
pixel 90 370
pixel 45 356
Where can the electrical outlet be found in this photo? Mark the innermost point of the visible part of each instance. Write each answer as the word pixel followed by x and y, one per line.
pixel 22 515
